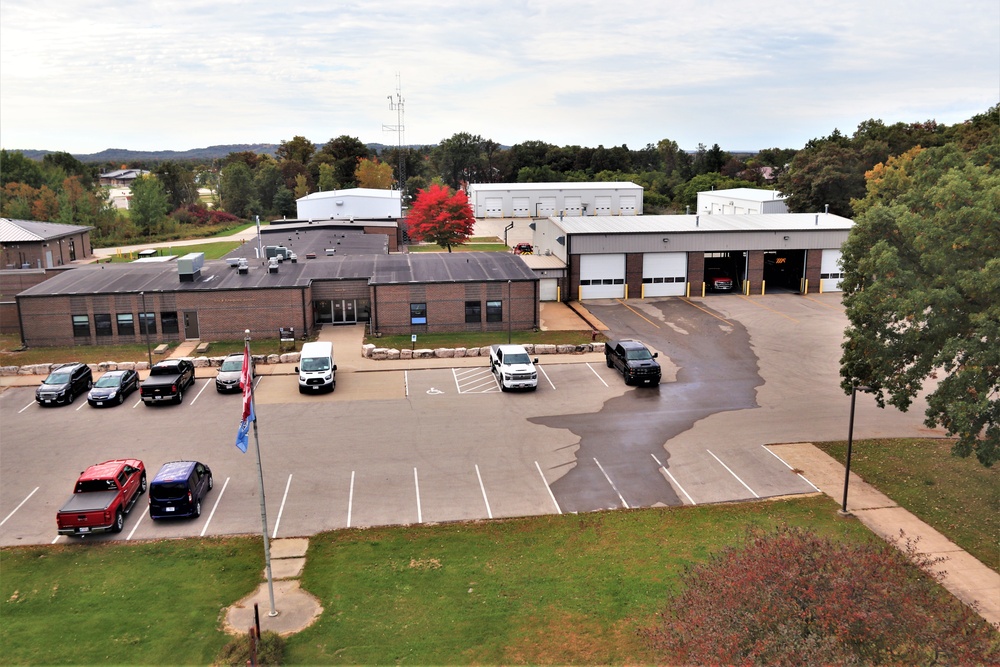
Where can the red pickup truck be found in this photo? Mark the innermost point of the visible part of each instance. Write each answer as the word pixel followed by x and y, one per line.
pixel 103 495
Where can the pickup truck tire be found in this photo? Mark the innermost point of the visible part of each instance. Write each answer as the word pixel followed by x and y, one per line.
pixel 607 360
pixel 180 395
pixel 119 521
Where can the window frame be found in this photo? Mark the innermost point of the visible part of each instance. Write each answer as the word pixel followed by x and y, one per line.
pixel 418 312
pixel 494 311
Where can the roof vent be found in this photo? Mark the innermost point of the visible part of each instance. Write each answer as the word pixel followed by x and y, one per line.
pixel 189 266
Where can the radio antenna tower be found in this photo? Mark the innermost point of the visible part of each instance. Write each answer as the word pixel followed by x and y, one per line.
pixel 398 128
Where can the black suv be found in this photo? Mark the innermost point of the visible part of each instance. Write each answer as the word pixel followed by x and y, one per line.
pixel 65 383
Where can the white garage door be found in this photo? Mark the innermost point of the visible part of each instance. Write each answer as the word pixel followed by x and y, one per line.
pixel 548 289
pixel 521 207
pixel 830 272
pixel 573 206
pixel 664 274
pixel 494 207
pixel 628 205
pixel 602 205
pixel 546 207
pixel 602 276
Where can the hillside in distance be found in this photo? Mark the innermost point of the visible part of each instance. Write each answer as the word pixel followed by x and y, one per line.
pixel 125 155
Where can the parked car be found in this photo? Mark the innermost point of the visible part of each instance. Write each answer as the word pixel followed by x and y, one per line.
pixel 64 384
pixel 228 378
pixel 167 381
pixel 718 280
pixel 102 496
pixel 513 368
pixel 634 360
pixel 178 489
pixel 112 388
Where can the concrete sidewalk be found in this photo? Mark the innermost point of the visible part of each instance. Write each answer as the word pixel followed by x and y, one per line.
pixel 965 577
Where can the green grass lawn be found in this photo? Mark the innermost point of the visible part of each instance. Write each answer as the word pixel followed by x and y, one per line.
pixel 551 589
pixel 212 250
pixel 959 497
pixel 95 354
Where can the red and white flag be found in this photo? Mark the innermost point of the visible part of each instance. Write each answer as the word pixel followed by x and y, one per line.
pixel 246 381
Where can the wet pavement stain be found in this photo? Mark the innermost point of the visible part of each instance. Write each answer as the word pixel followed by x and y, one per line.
pixel 717 372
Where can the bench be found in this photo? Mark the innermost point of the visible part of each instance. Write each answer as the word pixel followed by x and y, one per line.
pixel 161 349
pixel 202 348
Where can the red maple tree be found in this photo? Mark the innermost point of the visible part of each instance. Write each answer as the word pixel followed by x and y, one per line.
pixel 441 217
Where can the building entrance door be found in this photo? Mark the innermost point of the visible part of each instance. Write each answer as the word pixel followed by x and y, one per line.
pixel 191 324
pixel 344 311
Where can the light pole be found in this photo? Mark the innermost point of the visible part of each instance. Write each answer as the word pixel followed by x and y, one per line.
pixel 510 312
pixel 145 321
pixel 850 444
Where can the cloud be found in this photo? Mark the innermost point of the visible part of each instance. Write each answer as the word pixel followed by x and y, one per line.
pixel 83 76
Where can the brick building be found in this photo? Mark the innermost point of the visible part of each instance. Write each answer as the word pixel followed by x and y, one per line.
pixel 27 244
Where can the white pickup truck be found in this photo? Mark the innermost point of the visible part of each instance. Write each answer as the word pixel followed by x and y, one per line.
pixel 513 367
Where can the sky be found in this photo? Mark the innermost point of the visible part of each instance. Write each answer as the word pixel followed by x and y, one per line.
pixel 85 75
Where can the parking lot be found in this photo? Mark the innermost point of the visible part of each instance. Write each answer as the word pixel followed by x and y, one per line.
pixel 409 444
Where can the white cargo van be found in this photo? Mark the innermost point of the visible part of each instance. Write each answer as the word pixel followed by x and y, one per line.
pixel 316 369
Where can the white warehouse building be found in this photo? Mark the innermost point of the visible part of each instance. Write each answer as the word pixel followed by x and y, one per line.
pixel 740 201
pixel 542 200
pixel 359 203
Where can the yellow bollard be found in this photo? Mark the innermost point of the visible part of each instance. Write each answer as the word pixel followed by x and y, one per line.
pixel 762 284
pixel 626 291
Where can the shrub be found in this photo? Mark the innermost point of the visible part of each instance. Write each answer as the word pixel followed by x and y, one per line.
pixel 270 650
pixel 790 598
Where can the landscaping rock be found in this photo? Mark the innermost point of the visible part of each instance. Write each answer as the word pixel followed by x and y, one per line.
pixel 545 348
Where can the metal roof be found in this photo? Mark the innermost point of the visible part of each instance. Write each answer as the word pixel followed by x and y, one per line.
pixel 750 194
pixel 353 192
pixel 219 275
pixel 731 222
pixel 29 231
pixel 575 185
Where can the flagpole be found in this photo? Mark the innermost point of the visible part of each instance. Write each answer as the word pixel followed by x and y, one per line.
pixel 263 507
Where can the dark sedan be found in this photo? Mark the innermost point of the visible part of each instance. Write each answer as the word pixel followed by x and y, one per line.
pixel 112 388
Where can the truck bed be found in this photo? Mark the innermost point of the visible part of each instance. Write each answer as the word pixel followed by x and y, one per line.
pixel 92 501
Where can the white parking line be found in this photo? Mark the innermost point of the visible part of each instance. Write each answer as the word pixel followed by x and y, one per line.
pixel 486 500
pixel 546 376
pixel 547 488
pixel 350 500
pixel 786 465
pixel 663 469
pixel 145 511
pixel 138 402
pixel 214 507
pixel 18 507
pixel 406 392
pixel 597 374
pixel 624 504
pixel 203 388
pixel 83 403
pixel 26 407
pixel 473 380
pixel 416 486
pixel 733 474
pixel 281 509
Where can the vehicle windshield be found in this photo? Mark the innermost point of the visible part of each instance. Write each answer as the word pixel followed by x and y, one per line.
pixel 313 364
pixel 57 378
pixel 638 355
pixel 232 365
pixel 168 490
pixel 94 485
pixel 516 359
pixel 109 381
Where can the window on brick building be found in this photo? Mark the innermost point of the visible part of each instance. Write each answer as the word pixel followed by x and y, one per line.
pixel 147 320
pixel 473 312
pixel 102 324
pixel 168 320
pixel 494 311
pixel 418 313
pixel 126 324
pixel 81 326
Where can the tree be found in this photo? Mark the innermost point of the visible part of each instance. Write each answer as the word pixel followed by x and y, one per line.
pixel 441 217
pixel 266 183
pixel 458 159
pixel 327 178
pixel 236 188
pixel 922 292
pixel 15 168
pixel 284 202
pixel 793 598
pixel 373 174
pixel 178 184
pixel 297 148
pixel 343 153
pixel 149 205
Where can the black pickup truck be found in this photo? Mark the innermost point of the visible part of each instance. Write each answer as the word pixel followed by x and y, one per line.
pixel 636 363
pixel 167 381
